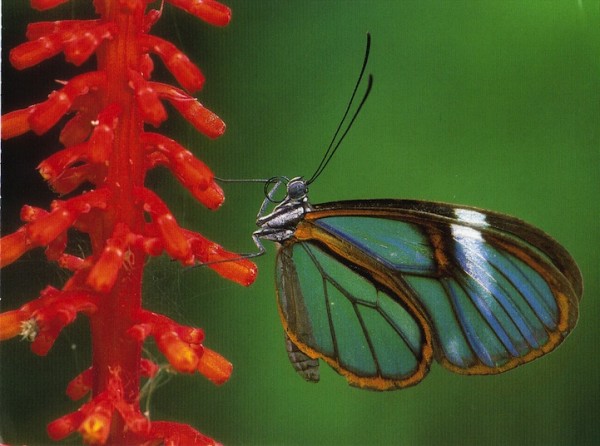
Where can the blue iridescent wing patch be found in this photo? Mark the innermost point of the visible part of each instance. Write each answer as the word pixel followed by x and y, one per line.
pixel 377 288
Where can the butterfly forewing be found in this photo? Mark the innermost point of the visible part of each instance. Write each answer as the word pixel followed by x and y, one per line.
pixel 373 286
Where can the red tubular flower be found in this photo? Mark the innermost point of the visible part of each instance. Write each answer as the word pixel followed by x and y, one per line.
pixel 215 367
pixel 107 152
pixel 211 11
pixel 187 74
pixel 46 114
pixel 200 117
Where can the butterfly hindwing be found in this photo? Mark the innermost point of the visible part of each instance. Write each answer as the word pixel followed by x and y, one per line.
pixel 372 287
pixel 332 312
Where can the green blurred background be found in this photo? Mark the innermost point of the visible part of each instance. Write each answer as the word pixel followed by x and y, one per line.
pixel 488 103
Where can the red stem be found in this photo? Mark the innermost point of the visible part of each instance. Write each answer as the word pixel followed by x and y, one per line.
pixel 112 348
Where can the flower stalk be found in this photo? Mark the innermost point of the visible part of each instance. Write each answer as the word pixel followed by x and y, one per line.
pixel 99 173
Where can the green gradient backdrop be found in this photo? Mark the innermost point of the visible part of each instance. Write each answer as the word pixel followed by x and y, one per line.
pixel 487 103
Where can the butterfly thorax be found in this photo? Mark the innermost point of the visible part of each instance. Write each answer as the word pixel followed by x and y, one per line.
pixel 280 224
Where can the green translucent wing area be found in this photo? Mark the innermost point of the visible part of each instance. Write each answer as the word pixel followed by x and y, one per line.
pixel 493 291
pixel 333 312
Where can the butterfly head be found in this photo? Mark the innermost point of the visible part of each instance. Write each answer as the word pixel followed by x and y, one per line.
pixel 297 189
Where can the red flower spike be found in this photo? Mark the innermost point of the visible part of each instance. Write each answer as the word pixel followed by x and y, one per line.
pixel 210 11
pixel 187 74
pixel 215 367
pixel 122 219
pixel 195 113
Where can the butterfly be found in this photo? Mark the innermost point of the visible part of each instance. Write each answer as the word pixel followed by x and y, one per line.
pixel 379 288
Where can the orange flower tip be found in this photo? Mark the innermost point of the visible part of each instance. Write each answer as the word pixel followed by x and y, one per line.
pixel 11 324
pixel 214 367
pixel 95 428
pixel 205 120
pixel 212 197
pixel 174 240
pixel 104 274
pixel 179 354
pixel 242 271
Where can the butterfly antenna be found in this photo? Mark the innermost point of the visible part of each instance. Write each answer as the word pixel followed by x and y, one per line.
pixel 333 146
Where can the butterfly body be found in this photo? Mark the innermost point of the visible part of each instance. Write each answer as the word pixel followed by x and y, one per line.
pixel 379 288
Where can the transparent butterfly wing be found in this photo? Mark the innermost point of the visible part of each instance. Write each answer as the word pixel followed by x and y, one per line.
pixel 375 288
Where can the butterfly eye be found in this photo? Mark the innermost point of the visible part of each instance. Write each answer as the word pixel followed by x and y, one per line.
pixel 272 186
pixel 297 189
